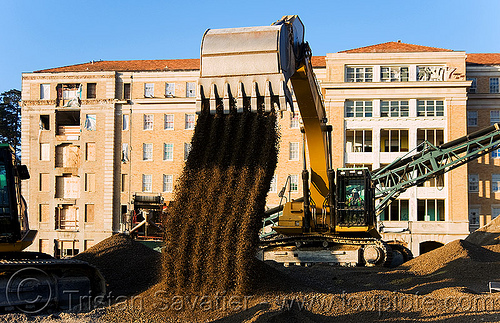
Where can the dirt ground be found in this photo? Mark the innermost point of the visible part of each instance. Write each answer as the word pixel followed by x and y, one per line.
pixel 449 284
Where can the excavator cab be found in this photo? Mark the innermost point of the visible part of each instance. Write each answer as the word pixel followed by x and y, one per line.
pixel 13 220
pixel 354 198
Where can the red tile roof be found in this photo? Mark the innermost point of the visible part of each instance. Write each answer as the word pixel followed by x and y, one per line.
pixel 395 47
pixel 146 65
pixel 128 66
pixel 483 59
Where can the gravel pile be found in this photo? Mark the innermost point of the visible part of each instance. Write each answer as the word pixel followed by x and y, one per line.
pixel 486 235
pixel 128 266
pixel 212 225
pixel 449 255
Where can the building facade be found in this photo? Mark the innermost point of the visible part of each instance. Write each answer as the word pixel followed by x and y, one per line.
pixel 96 134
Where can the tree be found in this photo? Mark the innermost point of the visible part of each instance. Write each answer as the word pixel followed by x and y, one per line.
pixel 10 119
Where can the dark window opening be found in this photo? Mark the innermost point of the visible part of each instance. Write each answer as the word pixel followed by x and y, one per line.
pixel 126 91
pixel 68 123
pixel 44 122
pixel 91 90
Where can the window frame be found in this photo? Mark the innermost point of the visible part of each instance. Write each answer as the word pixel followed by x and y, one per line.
pixel 169 89
pixel 168 154
pixel 494 85
pixel 352 109
pixel 473 85
pixel 190 89
pixel 294 183
pixel 148 121
pixel 294 151
pixel 45 91
pixel 495 183
pixel 391 74
pixel 472 115
pixel 91 90
pixel 147 183
pixel 168 185
pixel 496 118
pixel 365 143
pixel 189 121
pixel 168 124
pixel 149 90
pixel 356 74
pixel 473 183
pixel 147 151
pixel 399 110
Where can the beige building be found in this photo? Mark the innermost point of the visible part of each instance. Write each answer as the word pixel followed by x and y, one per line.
pixel 95 134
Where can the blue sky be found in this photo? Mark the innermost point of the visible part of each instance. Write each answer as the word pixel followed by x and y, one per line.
pixel 42 34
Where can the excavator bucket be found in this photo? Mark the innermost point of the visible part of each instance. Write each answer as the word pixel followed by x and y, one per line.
pixel 249 68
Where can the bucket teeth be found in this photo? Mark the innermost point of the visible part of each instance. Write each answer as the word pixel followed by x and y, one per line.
pixel 228 95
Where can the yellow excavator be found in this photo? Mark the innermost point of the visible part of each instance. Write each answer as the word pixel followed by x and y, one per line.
pixel 33 281
pixel 335 221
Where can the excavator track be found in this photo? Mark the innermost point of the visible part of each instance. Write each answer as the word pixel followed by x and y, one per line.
pixel 33 285
pixel 308 249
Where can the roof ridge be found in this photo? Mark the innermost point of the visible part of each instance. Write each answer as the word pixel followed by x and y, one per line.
pixel 395 46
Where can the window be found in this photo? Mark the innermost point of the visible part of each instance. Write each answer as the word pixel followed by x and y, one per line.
pixel 189 121
pixel 394 109
pixel 494 117
pixel 430 108
pixel 44 122
pixel 190 89
pixel 90 122
pixel 168 183
pixel 89 182
pixel 358 109
pixel 147 151
pixel 473 85
pixel 494 85
pixel 66 248
pixel 147 183
pixel 125 157
pixel 169 90
pixel 148 122
pixel 433 136
pixel 474 216
pixel 294 120
pixel 168 152
pixel 168 121
pixel 69 95
pixel 187 150
pixel 430 210
pixel 358 141
pixel 495 183
pixel 396 211
pixel 45 152
pixel 67 217
pixel 149 90
pixel 294 151
pixel 126 91
pixel 90 151
pixel 495 153
pixel 273 188
pixel 44 182
pixel 43 213
pixel 89 213
pixel 473 182
pixel 125 121
pixel 124 182
pixel 294 183
pixel 67 155
pixel 359 74
pixel 472 118
pixel 44 91
pixel 393 140
pixel 91 90
pixel 394 74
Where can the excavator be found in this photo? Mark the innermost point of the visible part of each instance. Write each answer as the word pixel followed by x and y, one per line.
pixel 33 281
pixel 251 69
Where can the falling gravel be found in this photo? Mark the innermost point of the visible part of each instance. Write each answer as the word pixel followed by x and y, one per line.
pixel 212 225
